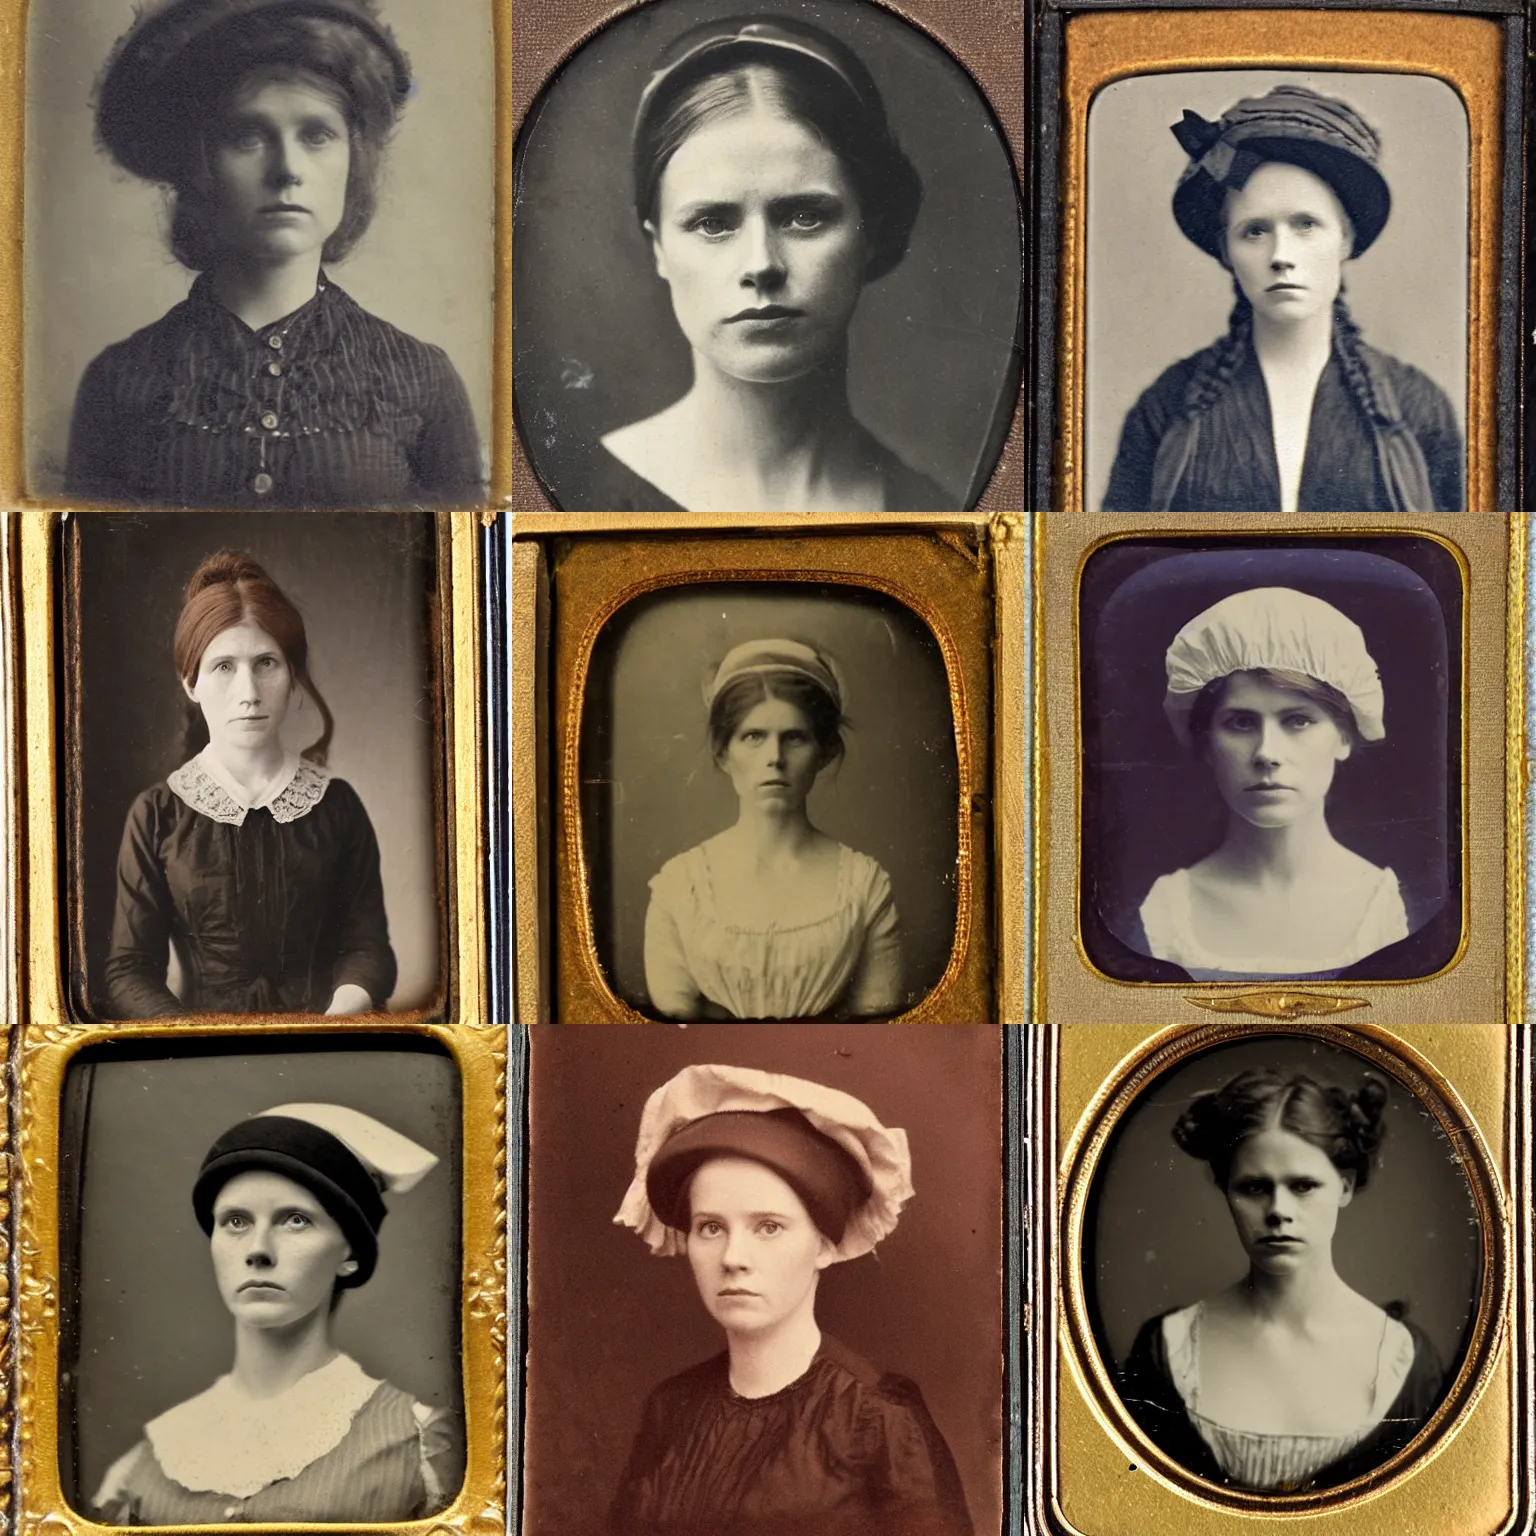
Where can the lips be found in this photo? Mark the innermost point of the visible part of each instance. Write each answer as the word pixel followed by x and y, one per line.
pixel 735 1293
pixel 260 1285
pixel 1279 1242
pixel 766 312
pixel 1286 288
pixel 284 208
pixel 1265 788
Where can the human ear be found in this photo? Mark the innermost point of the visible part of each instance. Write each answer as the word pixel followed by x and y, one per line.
pixel 189 690
pixel 656 251
pixel 347 1267
pixel 825 1253
pixel 1348 1192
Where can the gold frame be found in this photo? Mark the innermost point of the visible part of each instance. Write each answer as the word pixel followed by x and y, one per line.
pixel 1089 1075
pixel 1486 978
pixel 1466 52
pixel 904 559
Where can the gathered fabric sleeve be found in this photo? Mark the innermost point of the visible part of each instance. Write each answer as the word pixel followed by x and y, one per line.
pixel 876 984
pixel 915 1484
pixel 94 470
pixel 442 1457
pixel 116 1502
pixel 673 991
pixel 445 463
pixel 141 920
pixel 1433 422
pixel 645 1456
pixel 361 945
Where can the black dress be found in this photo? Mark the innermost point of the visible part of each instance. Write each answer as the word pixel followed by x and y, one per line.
pixel 843 1451
pixel 270 910
pixel 329 407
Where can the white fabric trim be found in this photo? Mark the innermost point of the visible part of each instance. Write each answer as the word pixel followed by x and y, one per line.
pixel 206 786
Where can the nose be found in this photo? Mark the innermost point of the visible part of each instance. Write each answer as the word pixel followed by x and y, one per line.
pixel 776 751
pixel 733 1255
pixel 1281 1208
pixel 1267 748
pixel 285 162
pixel 246 685
pixel 762 257
pixel 1282 253
pixel 258 1253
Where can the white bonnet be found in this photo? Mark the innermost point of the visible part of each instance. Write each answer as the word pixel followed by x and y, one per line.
pixel 1280 628
pixel 880 1152
pixel 762 657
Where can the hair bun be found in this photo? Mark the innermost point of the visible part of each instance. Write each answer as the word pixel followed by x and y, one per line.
pixel 224 568
pixel 1198 1130
pixel 1367 1112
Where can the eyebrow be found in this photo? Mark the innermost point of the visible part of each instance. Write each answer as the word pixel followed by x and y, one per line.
pixel 751 1215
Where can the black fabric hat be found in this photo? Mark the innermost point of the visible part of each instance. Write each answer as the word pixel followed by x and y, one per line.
pixel 146 98
pixel 828 1181
pixel 1291 124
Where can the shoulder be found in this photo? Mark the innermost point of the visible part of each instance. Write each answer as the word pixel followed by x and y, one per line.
pixel 129 358
pixel 705 1379
pixel 407 361
pixel 1164 396
pixel 1420 399
pixel 676 884
pixel 1164 912
pixel 868 883
pixel 910 490
pixel 871 1393
pixel 156 809
pixel 121 1477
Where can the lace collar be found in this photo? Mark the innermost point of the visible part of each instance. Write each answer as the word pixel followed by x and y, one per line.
pixel 224 1441
pixel 206 786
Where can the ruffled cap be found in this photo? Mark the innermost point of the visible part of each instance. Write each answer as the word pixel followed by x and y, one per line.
pixel 762 657
pixel 880 1154
pixel 1279 628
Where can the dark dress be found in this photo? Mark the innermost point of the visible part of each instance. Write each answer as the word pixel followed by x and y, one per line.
pixel 1149 1394
pixel 1233 467
pixel 270 910
pixel 603 483
pixel 843 1451
pixel 329 407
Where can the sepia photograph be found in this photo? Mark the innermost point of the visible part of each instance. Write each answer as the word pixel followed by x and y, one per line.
pixel 1276 293
pixel 260 1298
pixel 1283 1261
pixel 1271 773
pixel 828 1357
pixel 765 261
pixel 769 803
pixel 295 195
pixel 254 739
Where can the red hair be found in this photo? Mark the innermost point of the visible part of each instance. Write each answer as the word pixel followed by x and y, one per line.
pixel 230 588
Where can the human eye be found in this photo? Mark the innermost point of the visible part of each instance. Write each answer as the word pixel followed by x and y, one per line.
pixel 241 136
pixel 298 1221
pixel 1304 1186
pixel 1250 1187
pixel 1298 719
pixel 711 223
pixel 266 663
pixel 234 1221
pixel 318 134
pixel 1240 720
pixel 754 734
pixel 1306 221
pixel 707 1227
pixel 769 1228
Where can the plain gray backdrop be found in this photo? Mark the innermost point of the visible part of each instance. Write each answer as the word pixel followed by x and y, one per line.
pixel 652 789
pixel 363 583
pixel 97 264
pixel 1154 297
pixel 153 1330
pixel 1163 1237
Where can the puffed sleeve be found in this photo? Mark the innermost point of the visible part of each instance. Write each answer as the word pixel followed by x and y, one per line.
pixel 141 921
pixel 94 470
pixel 914 1482
pixel 441 1433
pixel 445 464
pixel 673 992
pixel 115 1501
pixel 360 938
pixel 875 987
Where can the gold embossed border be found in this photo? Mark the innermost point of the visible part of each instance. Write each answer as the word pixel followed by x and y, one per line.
pixel 1486 980
pixel 941 572
pixel 481 1058
pixel 1466 1078
pixel 459 750
pixel 1464 51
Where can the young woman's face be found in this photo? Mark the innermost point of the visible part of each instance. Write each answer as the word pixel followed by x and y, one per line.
pixel 244 686
pixel 1273 751
pixel 773 757
pixel 1287 241
pixel 758 235
pixel 754 1249
pixel 277 1252
pixel 1285 1196
pixel 279 157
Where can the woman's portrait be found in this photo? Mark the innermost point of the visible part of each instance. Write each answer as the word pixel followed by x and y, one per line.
pixel 264 1322
pixel 747 1406
pixel 1283 1267
pixel 248 144
pixel 1291 815
pixel 772 823
pixel 1329 214
pixel 757 320
pixel 249 877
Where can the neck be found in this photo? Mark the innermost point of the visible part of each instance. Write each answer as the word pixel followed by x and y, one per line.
pixel 259 293
pixel 1295 1299
pixel 1298 346
pixel 270 1360
pixel 769 835
pixel 766 1362
pixel 1279 854
pixel 252 768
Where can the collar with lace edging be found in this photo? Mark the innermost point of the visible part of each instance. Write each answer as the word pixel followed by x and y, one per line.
pixel 206 786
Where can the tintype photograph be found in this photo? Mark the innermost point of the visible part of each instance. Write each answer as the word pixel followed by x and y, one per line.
pixel 769 809
pixel 1276 293
pixel 764 1282
pixel 260 1298
pixel 1271 771
pixel 1283 1261
pixel 762 261
pixel 254 739
pixel 296 196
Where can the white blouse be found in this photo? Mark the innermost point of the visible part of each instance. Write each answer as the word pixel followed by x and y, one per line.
pixel 799 968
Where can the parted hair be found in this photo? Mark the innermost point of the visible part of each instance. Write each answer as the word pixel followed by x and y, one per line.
pixel 739 697
pixel 227 589
pixel 1327 698
pixel 1347 1126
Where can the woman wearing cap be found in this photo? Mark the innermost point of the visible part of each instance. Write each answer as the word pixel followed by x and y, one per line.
pixel 251 864
pixel 773 919
pixel 1289 1379
pixel 1273 689
pixel 292 1202
pixel 770 189
pixel 1290 411
pixel 763 1181
pixel 267 121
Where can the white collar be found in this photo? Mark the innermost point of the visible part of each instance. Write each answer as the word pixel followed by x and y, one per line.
pixel 225 1441
pixel 211 764
pixel 208 787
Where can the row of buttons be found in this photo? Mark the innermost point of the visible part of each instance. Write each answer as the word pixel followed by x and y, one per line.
pixel 263 483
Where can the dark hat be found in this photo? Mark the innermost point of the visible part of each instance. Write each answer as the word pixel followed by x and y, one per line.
pixel 827 1179
pixel 145 100
pixel 1292 124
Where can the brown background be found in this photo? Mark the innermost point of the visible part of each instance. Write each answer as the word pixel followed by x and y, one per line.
pixel 607 1321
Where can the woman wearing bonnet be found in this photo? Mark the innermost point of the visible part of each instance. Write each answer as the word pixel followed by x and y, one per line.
pixel 771 918
pixel 1291 411
pixel 1273 689
pixel 763 1181
pixel 292 1201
